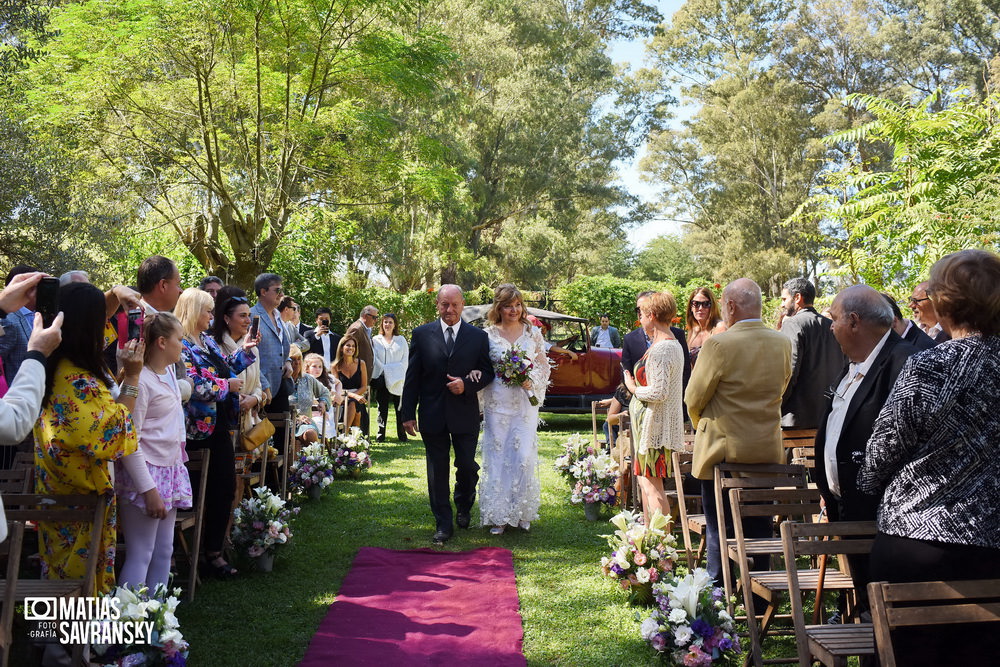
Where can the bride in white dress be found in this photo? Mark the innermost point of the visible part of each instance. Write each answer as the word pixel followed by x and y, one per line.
pixel 509 491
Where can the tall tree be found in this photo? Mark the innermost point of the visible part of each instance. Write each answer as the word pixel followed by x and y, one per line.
pixel 222 119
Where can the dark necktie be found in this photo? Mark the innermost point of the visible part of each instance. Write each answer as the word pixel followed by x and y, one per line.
pixel 449 341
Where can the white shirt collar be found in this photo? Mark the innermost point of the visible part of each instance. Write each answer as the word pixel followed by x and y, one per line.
pixel 454 328
pixel 866 365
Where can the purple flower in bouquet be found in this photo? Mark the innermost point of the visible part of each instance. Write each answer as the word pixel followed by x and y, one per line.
pixel 702 628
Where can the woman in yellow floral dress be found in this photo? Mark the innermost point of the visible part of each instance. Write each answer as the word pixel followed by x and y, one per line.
pixel 82 427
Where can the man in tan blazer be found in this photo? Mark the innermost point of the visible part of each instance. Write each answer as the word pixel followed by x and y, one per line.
pixel 361 332
pixel 734 399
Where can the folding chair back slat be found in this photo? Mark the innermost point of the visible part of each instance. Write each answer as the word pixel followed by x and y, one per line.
pixel 831 644
pixel 690 522
pixel 193 519
pixel 15 480
pixel 930 603
pixel 12 548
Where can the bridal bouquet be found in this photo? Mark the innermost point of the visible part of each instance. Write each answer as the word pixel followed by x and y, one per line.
pixel 263 523
pixel 575 448
pixel 690 625
pixel 312 469
pixel 166 645
pixel 641 555
pixel 595 476
pixel 350 453
pixel 513 368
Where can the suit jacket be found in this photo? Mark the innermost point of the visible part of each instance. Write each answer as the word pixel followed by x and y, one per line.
pixel 634 346
pixel 817 361
pixel 859 422
pixel 734 397
pixel 316 343
pixel 14 342
pixel 918 339
pixel 272 352
pixel 359 332
pixel 440 410
pixel 616 338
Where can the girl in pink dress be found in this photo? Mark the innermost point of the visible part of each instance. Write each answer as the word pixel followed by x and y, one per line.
pixel 149 495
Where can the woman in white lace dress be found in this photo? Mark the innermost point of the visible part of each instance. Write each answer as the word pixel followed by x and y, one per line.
pixel 656 411
pixel 509 491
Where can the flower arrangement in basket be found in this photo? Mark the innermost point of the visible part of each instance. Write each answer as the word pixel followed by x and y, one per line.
pixel 350 453
pixel 312 471
pixel 641 555
pixel 164 645
pixel 595 476
pixel 263 523
pixel 575 448
pixel 690 625
pixel 513 368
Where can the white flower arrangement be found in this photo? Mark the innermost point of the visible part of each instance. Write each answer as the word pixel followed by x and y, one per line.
pixel 263 523
pixel 166 643
pixel 595 476
pixel 313 467
pixel 351 452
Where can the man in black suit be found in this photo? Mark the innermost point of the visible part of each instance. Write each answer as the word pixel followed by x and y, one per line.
pixel 816 357
pixel 636 342
pixel 925 314
pixel 440 377
pixel 322 340
pixel 908 329
pixel 862 324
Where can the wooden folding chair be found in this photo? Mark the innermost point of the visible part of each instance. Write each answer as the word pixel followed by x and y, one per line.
pixel 16 480
pixel 748 476
pixel 57 508
pixel 690 522
pixel 830 644
pixel 281 462
pixel 797 438
pixel 931 603
pixel 628 495
pixel 193 518
pixel 596 409
pixel 11 548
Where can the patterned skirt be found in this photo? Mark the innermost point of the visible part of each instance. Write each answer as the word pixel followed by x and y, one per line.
pixel 173 483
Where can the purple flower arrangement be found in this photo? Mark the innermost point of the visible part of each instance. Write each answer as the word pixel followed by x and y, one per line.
pixel 513 368
pixel 641 555
pixel 690 625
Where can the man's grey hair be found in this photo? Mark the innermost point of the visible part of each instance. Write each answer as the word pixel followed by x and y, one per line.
pixel 745 293
pixel 74 277
pixel 867 304
pixel 369 310
pixel 450 287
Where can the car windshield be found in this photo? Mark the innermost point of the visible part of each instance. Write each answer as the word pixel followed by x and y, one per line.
pixel 566 334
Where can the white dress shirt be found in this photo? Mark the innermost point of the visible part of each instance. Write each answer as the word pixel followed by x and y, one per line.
pixel 454 329
pixel 603 338
pixel 841 401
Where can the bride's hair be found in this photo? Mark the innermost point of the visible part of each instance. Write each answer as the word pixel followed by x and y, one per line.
pixel 505 295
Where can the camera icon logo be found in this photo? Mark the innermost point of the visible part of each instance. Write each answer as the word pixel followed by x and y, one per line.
pixel 41 609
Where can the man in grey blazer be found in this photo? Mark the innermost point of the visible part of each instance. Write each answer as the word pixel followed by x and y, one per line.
pixel 817 359
pixel 272 350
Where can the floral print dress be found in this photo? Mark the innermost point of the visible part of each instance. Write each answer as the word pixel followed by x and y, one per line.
pixel 80 430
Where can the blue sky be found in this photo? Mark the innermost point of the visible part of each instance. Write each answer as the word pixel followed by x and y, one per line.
pixel 632 53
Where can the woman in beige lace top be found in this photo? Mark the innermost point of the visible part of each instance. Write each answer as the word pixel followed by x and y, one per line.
pixel 657 416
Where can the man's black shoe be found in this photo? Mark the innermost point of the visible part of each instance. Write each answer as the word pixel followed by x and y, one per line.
pixel 462 519
pixel 440 537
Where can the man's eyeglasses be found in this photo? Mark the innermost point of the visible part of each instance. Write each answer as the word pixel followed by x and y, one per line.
pixel 701 304
pixel 914 302
pixel 278 290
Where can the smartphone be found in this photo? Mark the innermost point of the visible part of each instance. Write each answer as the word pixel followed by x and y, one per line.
pixel 254 327
pixel 47 299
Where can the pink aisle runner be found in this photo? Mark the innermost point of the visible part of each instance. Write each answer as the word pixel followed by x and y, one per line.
pixel 423 607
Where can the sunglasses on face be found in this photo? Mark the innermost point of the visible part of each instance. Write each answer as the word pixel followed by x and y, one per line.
pixel 914 302
pixel 701 304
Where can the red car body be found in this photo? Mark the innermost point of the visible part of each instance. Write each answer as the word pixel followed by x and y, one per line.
pixel 574 383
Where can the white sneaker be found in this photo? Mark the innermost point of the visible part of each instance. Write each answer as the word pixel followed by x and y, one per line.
pixel 524 525
pixel 497 530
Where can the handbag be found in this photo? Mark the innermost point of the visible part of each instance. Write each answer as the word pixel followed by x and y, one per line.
pixel 257 435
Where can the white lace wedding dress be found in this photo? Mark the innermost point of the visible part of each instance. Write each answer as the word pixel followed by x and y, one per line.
pixel 509 490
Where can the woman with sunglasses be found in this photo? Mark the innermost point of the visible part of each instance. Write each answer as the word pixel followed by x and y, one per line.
pixel 703 320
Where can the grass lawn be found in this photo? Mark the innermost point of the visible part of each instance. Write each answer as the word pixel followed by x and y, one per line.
pixel 571 615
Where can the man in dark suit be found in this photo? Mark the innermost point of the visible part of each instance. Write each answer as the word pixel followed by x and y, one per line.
pixel 925 313
pixel 862 325
pixel 816 357
pixel 636 342
pixel 908 329
pixel 322 340
pixel 443 353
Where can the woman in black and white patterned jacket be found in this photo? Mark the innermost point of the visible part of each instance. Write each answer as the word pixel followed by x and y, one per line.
pixel 934 455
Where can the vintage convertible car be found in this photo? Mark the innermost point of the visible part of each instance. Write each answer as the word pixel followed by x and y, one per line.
pixel 592 376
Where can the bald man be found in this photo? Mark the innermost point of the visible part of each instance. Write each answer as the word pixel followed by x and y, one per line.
pixel 734 400
pixel 443 353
